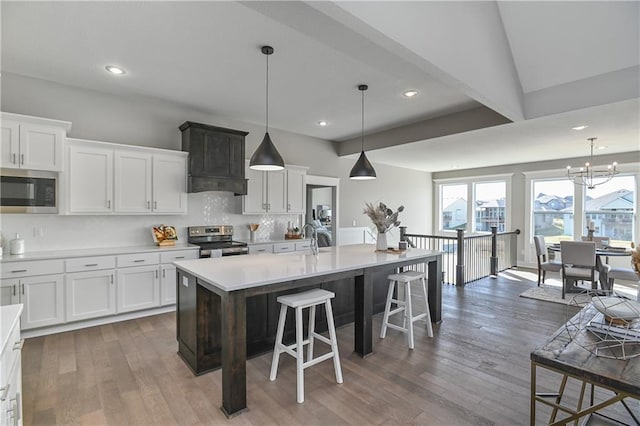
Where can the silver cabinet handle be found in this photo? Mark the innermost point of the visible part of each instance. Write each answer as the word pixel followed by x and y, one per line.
pixel 138 260
pixel 108 204
pixel 17 346
pixel 288 207
pixel 21 158
pixel 18 270
pixel 156 274
pixel 14 158
pixel 179 257
pixel 22 288
pixel 14 289
pixel 155 205
pixel 111 278
pixel 148 205
pixel 164 275
pixel 91 264
pixel 5 392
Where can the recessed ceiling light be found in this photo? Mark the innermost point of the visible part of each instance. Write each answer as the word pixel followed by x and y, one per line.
pixel 322 123
pixel 410 93
pixel 580 127
pixel 602 147
pixel 115 70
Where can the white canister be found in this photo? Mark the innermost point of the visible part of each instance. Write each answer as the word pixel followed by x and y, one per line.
pixel 17 245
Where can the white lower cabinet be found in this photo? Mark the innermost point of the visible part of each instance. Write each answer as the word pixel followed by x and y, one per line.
pixel 11 367
pixel 90 294
pixel 167 284
pixel 42 297
pixel 138 288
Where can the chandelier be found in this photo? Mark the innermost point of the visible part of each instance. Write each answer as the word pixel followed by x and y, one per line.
pixel 590 175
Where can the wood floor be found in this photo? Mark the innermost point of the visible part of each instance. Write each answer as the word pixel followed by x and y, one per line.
pixel 475 371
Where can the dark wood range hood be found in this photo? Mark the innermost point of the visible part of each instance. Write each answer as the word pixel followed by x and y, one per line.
pixel 216 158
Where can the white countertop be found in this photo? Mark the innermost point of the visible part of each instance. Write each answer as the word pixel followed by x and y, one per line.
pixel 240 272
pixel 298 240
pixel 100 251
pixel 9 316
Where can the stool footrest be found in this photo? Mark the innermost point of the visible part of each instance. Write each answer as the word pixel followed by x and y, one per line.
pixel 396 311
pixel 397 327
pixel 317 360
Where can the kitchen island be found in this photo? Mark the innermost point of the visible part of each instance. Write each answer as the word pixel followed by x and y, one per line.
pixel 212 313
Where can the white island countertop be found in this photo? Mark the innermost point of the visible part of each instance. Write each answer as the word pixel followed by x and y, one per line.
pixel 241 272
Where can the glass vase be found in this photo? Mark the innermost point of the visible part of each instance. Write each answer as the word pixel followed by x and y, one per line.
pixel 381 241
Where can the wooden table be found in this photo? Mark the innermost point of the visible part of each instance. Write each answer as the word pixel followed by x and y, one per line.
pixel 236 278
pixel 565 355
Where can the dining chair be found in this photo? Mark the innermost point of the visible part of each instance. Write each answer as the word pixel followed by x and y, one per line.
pixel 624 274
pixel 601 242
pixel 544 265
pixel 578 264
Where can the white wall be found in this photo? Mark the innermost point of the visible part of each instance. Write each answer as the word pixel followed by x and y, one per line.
pixel 153 122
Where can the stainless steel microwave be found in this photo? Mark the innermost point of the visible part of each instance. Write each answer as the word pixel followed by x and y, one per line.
pixel 28 191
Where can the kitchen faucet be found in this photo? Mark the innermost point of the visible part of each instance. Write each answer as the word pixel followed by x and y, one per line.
pixel 314 237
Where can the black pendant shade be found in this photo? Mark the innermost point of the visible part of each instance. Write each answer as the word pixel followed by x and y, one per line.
pixel 266 157
pixel 362 170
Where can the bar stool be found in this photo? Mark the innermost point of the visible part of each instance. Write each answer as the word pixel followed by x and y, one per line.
pixel 405 278
pixel 299 301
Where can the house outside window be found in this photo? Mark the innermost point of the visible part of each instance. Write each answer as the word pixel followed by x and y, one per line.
pixel 611 206
pixel 553 205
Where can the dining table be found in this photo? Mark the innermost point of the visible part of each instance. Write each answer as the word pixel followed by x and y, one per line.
pixel 601 265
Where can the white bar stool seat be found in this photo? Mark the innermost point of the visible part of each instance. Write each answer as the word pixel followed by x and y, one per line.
pixel 308 299
pixel 404 306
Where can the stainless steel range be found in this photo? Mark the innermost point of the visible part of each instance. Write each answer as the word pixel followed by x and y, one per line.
pixel 215 241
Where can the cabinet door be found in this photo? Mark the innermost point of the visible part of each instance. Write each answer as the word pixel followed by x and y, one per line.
pixel 169 184
pixel 90 294
pixel 90 180
pixel 40 147
pixel 296 189
pixel 9 144
pixel 9 292
pixel 167 284
pixel 254 201
pixel 43 299
pixel 138 288
pixel 132 191
pixel 276 191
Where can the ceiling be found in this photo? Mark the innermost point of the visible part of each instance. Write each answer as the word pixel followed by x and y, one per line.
pixel 540 67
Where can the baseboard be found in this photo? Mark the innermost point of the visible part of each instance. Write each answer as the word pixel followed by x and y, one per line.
pixel 76 325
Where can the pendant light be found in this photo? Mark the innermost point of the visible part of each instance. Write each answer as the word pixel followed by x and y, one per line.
pixel 362 170
pixel 266 157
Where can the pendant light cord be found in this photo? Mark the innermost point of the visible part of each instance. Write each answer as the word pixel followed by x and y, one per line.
pixel 267 98
pixel 362 132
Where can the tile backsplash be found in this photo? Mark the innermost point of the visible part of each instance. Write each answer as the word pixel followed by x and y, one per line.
pixel 52 232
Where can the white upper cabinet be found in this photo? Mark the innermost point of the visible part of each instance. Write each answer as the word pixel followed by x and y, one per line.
pixel 281 191
pixel 119 179
pixel 32 143
pixel 169 183
pixel 133 182
pixel 90 177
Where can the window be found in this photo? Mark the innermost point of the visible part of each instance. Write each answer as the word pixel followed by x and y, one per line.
pixel 490 198
pixel 552 201
pixel 611 208
pixel 453 199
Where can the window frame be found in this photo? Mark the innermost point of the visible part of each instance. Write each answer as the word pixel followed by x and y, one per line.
pixel 471 182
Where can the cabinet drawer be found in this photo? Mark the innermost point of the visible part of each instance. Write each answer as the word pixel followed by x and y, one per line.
pixel 36 267
pixel 261 248
pixel 172 256
pixel 90 263
pixel 303 245
pixel 139 259
pixel 284 247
